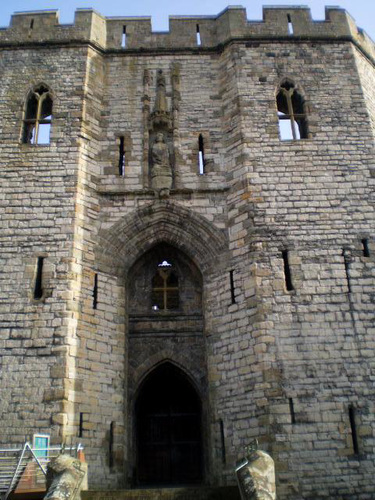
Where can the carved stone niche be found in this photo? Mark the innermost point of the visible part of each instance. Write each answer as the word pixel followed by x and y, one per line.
pixel 161 153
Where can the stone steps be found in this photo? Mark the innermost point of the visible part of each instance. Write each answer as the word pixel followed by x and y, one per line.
pixel 188 493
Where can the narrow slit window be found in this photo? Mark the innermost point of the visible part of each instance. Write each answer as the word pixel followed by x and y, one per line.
pixel 38 288
pixel 292 412
pixel 111 442
pixel 291 113
pixel 95 292
pixel 222 438
pixel 201 159
pixel 347 269
pixel 121 163
pixel 287 271
pixel 38 117
pixel 80 429
pixel 290 25
pixel 199 41
pixel 123 37
pixel 232 288
pixel 365 248
pixel 32 24
pixel 353 427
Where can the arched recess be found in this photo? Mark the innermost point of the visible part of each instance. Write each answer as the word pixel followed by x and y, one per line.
pixel 168 421
pixel 181 361
pixel 173 331
pixel 124 251
pixel 162 221
pixel 164 281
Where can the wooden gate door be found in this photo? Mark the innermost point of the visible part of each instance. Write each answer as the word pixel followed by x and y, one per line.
pixel 168 423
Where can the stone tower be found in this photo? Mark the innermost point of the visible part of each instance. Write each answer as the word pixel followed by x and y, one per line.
pixel 187 256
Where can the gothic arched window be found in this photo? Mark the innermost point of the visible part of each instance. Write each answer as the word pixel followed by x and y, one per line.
pixel 291 113
pixel 165 293
pixel 38 116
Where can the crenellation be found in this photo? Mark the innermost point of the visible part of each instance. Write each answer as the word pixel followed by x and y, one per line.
pixel 138 32
pixel 92 25
pixel 106 32
pixel 38 20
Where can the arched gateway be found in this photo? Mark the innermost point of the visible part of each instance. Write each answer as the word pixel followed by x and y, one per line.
pixel 165 321
pixel 163 253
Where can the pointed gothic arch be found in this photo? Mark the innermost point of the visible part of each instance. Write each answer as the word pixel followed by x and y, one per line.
pixel 162 221
pixel 180 363
pixel 195 247
pixel 168 420
pixel 37 118
pixel 164 281
pixel 291 110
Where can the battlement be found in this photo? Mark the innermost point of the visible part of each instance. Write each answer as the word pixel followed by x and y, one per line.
pixel 133 33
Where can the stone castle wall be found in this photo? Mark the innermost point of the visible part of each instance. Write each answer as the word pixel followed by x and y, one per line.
pixel 281 365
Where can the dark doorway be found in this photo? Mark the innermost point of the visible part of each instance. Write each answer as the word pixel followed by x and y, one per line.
pixel 168 428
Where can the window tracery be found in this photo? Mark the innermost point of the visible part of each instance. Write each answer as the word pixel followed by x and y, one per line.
pixel 165 291
pixel 38 116
pixel 291 113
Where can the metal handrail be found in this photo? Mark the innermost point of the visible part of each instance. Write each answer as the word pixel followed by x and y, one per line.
pixel 15 474
pixel 15 463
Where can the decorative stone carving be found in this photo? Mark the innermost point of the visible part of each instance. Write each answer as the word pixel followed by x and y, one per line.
pixel 161 171
pixel 161 100
pixel 256 475
pixel 66 477
pixel 160 140
pixel 161 117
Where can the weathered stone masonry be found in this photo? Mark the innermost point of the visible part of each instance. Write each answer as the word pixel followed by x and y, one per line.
pixel 289 363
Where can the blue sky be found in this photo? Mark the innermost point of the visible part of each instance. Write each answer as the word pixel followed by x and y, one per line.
pixel 363 11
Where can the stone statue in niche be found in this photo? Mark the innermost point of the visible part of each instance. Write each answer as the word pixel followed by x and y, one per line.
pixel 160 139
pixel 161 100
pixel 161 169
